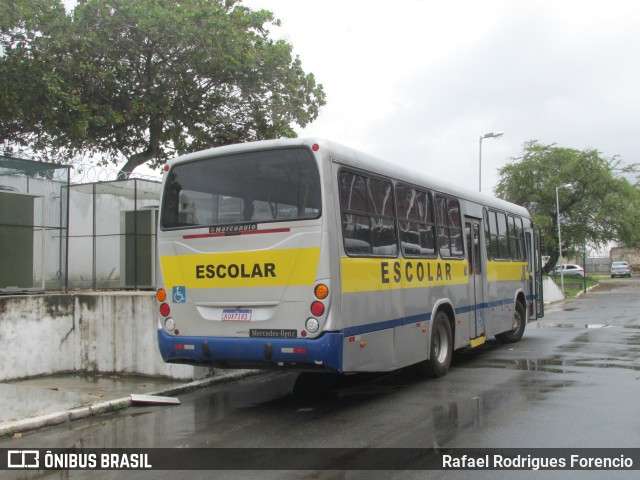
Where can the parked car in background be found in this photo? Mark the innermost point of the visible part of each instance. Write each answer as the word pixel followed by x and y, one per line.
pixel 569 270
pixel 620 269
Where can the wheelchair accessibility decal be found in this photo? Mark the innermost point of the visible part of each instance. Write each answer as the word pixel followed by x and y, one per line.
pixel 180 294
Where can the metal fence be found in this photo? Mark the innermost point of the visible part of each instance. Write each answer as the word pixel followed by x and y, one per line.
pixel 33 225
pixel 112 234
pixel 58 234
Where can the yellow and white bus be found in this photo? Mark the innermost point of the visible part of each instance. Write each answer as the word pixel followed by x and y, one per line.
pixel 305 253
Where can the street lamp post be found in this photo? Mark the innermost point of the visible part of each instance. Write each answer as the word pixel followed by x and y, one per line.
pixel 566 185
pixel 486 135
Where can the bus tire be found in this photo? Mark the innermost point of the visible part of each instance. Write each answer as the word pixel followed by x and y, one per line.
pixel 441 351
pixel 519 324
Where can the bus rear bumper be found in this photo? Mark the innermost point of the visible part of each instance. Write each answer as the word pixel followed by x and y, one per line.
pixel 322 352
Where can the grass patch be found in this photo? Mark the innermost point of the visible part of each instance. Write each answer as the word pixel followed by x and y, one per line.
pixel 576 285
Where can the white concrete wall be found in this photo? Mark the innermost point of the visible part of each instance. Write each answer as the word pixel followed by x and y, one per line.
pixel 38 335
pixel 551 291
pixel 89 332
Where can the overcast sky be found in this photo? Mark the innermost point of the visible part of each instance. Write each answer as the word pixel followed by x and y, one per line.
pixel 417 82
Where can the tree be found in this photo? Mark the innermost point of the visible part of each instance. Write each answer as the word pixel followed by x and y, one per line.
pixel 141 81
pixel 600 206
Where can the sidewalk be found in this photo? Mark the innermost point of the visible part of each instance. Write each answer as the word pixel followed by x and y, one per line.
pixel 41 402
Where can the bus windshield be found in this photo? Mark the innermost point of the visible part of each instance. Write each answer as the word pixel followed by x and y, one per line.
pixel 261 186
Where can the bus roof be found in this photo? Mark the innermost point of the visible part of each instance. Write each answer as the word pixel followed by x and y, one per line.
pixel 364 161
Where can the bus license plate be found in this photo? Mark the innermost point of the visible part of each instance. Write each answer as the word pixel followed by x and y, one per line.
pixel 236 315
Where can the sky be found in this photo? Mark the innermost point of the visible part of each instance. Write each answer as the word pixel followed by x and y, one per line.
pixel 417 82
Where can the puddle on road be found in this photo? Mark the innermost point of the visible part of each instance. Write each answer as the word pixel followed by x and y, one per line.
pixel 568 325
pixel 446 417
pixel 554 365
pixel 531 365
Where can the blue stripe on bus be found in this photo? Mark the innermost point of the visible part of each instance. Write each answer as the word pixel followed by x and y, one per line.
pixel 482 306
pixel 423 317
pixel 374 327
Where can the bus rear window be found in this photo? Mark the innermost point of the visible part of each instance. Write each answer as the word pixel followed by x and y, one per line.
pixel 253 187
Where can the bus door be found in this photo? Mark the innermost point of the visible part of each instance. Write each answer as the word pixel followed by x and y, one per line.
pixel 534 260
pixel 476 278
pixel 537 272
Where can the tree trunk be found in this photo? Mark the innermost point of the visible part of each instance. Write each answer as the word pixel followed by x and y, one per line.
pixel 553 260
pixel 152 150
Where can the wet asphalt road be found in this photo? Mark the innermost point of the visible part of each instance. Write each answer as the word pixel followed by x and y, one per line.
pixel 573 381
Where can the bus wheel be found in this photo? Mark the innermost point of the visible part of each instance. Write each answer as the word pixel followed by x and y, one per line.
pixel 519 323
pixel 441 349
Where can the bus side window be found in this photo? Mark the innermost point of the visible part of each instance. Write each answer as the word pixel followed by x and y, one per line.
pixel 503 239
pixel 368 215
pixel 353 192
pixel 449 222
pixel 487 234
pixel 455 230
pixel 415 217
pixel 494 236
pixel 382 212
pixel 356 228
pixel 357 234
pixel 516 236
pixel 444 245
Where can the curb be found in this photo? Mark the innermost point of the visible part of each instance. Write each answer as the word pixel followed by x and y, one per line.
pixel 588 290
pixel 100 408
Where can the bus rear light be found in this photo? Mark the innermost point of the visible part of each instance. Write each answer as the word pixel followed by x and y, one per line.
pixel 161 295
pixel 317 309
pixel 315 147
pixel 321 291
pixel 165 309
pixel 169 324
pixel 312 325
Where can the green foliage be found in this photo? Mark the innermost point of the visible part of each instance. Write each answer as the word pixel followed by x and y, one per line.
pixel 600 206
pixel 575 286
pixel 145 80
